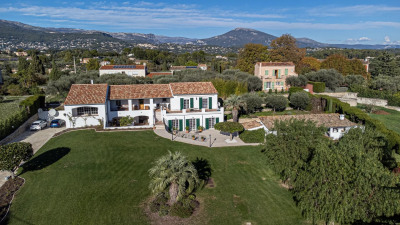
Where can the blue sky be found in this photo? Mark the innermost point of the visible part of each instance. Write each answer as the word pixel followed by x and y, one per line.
pixel 341 21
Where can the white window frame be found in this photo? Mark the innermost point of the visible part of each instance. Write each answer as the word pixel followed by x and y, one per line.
pixel 205 103
pixel 211 122
pixel 192 124
pixel 90 111
pixel 175 124
pixel 186 103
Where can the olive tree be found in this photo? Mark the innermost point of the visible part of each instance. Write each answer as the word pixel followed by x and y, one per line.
pixel 229 127
pixel 299 100
pixel 276 102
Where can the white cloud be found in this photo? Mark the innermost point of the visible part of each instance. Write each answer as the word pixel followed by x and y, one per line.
pixel 364 39
pixel 387 39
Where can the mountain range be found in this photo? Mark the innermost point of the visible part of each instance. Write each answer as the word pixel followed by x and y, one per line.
pixel 16 34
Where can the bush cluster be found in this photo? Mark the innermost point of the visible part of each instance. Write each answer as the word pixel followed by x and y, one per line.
pixel 253 136
pixel 28 108
pixel 318 87
pixel 183 208
pixel 276 102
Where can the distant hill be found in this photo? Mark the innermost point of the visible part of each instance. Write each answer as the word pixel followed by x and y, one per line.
pixel 18 35
pixel 239 37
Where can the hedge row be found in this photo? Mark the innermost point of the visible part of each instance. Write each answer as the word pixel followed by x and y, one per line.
pixel 28 108
pixel 393 99
pixel 253 136
pixel 358 116
pixel 318 87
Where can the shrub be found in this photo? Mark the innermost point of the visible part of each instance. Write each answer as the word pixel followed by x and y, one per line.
pixel 330 77
pixel 295 89
pixel 276 102
pixel 296 81
pixel 299 100
pixel 253 136
pixel 1 99
pixel 181 210
pixel 125 121
pixel 318 87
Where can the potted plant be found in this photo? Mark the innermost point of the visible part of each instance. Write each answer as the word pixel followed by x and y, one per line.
pixel 193 137
pixel 203 138
pixel 187 129
pixel 200 128
pixel 174 130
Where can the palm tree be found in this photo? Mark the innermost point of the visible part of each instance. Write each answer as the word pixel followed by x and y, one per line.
pixel 235 102
pixel 176 173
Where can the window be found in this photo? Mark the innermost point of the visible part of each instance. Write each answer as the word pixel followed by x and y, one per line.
pixel 267 85
pixel 266 72
pixel 278 83
pixel 286 71
pixel 186 103
pixel 118 102
pixel 276 73
pixel 211 122
pixel 164 100
pixel 175 124
pixel 205 103
pixel 89 111
pixel 192 124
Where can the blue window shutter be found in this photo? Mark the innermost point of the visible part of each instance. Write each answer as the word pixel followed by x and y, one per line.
pixel 197 123
pixel 217 120
pixel 279 73
pixel 200 103
pixel 207 124
pixel 266 72
pixel 265 85
pixel 286 71
pixel 187 123
pixel 180 125
pixel 210 102
pixel 191 103
pixel 181 103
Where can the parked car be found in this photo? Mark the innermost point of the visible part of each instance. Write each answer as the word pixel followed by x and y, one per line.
pixel 57 123
pixel 38 125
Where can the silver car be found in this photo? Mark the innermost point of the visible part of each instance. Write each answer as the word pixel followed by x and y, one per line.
pixel 38 125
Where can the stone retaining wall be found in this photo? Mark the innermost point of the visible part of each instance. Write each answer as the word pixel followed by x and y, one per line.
pixel 25 126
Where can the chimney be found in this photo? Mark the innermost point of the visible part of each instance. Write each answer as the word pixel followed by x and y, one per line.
pixel 91 81
pixel 341 116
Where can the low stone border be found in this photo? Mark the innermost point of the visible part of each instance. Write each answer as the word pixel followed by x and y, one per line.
pixel 99 130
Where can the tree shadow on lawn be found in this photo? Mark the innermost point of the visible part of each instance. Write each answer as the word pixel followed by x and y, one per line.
pixel 21 220
pixel 45 159
pixel 203 168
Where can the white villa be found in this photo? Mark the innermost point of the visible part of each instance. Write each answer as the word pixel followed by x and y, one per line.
pixel 175 105
pixel 130 70
pixel 337 125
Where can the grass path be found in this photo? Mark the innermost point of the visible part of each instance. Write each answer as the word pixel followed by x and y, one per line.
pixel 85 177
pixel 391 121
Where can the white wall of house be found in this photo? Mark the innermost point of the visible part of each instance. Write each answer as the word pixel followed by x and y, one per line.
pixel 338 132
pixel 176 101
pixel 198 117
pixel 129 72
pixel 71 116
pixel 132 111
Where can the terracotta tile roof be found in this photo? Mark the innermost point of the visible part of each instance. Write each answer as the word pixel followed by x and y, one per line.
pixel 188 88
pixel 140 91
pixel 251 124
pixel 123 67
pixel 158 74
pixel 326 120
pixel 276 63
pixel 84 94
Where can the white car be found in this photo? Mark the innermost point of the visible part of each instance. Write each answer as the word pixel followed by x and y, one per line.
pixel 38 125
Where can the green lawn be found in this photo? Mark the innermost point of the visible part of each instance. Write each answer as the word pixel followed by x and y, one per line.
pixel 391 121
pixel 9 106
pixel 84 177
